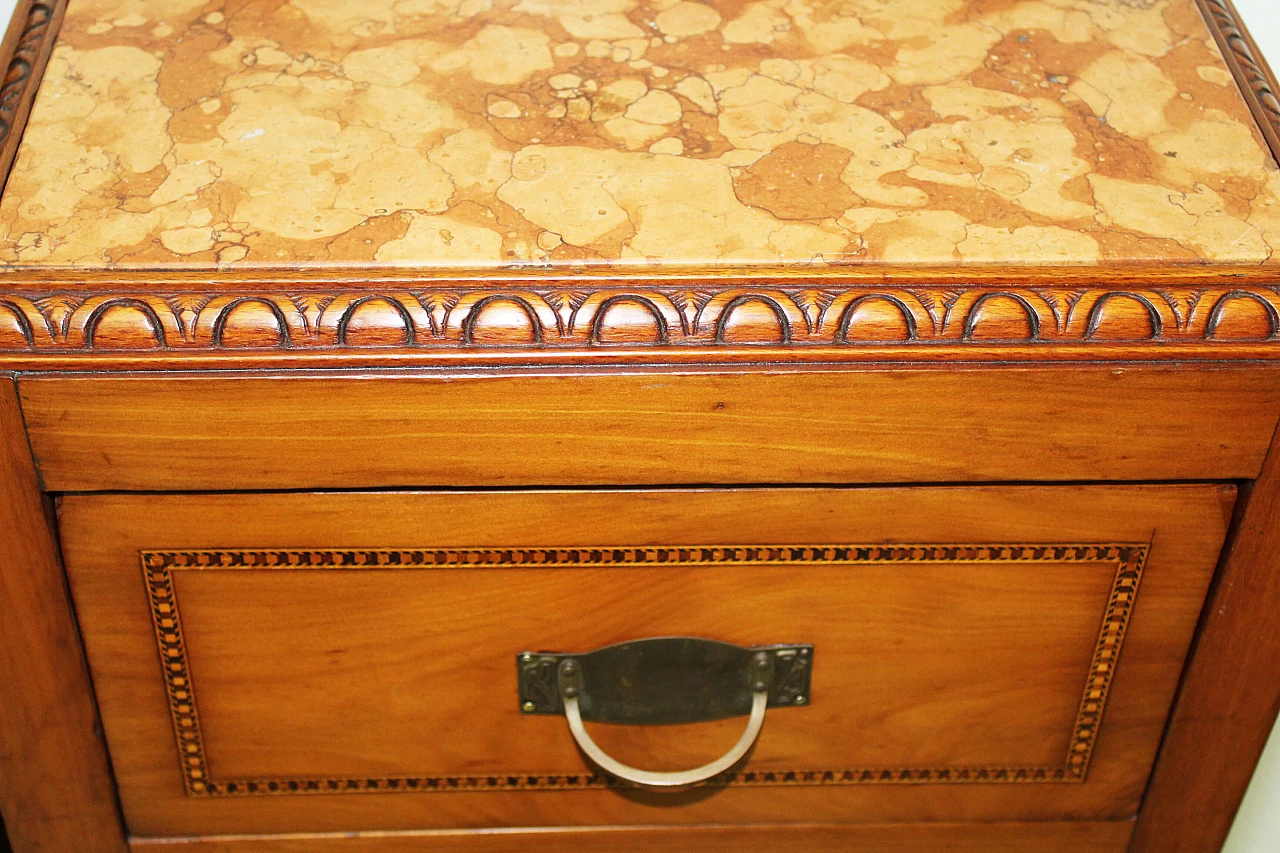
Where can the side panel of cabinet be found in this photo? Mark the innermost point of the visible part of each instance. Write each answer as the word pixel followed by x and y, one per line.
pixel 56 790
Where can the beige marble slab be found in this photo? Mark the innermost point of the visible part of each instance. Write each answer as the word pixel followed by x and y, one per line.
pixel 182 133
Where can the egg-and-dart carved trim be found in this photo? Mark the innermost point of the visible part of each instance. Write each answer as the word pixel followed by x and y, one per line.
pixel 542 319
pixel 158 568
pixel 1247 65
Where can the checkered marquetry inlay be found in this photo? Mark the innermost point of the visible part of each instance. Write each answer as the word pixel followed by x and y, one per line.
pixel 159 567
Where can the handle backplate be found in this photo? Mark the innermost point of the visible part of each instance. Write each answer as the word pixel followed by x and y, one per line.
pixel 666 680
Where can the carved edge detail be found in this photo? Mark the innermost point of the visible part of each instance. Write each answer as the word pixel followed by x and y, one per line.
pixel 25 68
pixel 656 317
pixel 1254 77
pixel 960 317
pixel 158 568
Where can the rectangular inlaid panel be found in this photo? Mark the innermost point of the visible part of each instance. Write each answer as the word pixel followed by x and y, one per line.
pixel 985 653
pixel 861 578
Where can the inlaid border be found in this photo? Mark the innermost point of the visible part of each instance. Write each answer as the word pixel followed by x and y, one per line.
pixel 158 568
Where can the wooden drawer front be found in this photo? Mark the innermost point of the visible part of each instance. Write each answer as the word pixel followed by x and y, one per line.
pixel 655 426
pixel 336 662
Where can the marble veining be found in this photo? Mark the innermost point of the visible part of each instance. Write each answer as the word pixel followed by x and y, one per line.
pixel 222 133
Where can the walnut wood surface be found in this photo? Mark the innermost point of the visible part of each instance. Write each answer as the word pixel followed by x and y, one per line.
pixel 655 426
pixel 1095 837
pixel 1230 694
pixel 826 315
pixel 499 583
pixel 56 791
pixel 37 331
pixel 355 673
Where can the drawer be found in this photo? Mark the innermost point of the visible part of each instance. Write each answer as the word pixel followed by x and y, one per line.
pixel 312 663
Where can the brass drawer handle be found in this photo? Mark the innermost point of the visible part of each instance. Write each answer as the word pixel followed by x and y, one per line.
pixel 665 680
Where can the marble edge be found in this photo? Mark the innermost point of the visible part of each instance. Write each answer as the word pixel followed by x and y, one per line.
pixel 1116 275
pixel 1252 73
pixel 28 43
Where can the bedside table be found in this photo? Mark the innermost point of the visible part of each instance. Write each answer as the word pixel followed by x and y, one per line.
pixel 492 426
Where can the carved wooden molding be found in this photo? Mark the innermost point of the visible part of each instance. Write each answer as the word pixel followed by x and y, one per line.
pixel 28 44
pixel 18 75
pixel 530 319
pixel 158 568
pixel 1250 68
pixel 53 319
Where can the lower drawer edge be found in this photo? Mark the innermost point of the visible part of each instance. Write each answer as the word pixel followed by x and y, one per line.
pixel 1040 837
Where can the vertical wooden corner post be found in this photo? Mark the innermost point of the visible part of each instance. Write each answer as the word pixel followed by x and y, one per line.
pixel 1230 692
pixel 56 793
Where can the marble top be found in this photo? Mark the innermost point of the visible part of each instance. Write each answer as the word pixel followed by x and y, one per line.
pixel 479 133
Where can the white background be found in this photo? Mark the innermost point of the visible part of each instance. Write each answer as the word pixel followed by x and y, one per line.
pixel 1257 827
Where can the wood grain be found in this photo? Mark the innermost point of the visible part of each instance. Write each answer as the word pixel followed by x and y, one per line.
pixel 1051 597
pixel 186 433
pixel 335 317
pixel 767 314
pixel 354 673
pixel 794 316
pixel 1230 694
pixel 56 791
pixel 651 427
pixel 1095 837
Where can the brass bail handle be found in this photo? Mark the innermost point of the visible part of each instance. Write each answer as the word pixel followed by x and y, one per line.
pixel 570 688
